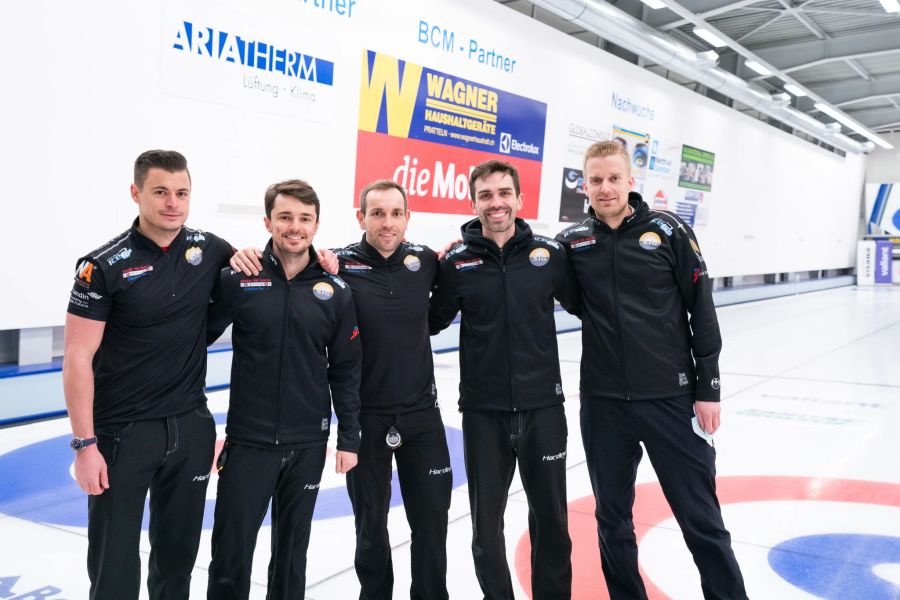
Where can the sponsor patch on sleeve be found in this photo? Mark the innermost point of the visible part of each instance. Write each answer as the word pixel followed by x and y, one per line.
pixel 468 265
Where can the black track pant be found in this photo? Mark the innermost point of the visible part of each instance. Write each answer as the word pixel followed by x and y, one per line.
pixel 536 439
pixel 686 467
pixel 172 459
pixel 249 479
pixel 423 468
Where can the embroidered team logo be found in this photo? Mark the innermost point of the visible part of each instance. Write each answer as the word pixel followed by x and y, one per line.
pixel 467 265
pixel 582 244
pixel 354 334
pixel 84 272
pixel 355 267
pixel 539 257
pixel 194 255
pixel 412 263
pixel 650 241
pixel 323 291
pixel 255 285
pixel 137 272
pixel 696 249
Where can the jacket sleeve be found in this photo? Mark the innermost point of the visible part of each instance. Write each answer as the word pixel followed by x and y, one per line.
pixel 344 367
pixel 220 313
pixel 566 288
pixel 695 286
pixel 444 304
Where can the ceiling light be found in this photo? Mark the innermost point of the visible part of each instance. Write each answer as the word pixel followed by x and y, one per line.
pixel 839 116
pixel 654 4
pixel 891 6
pixel 710 37
pixel 794 90
pixel 752 64
pixel 781 100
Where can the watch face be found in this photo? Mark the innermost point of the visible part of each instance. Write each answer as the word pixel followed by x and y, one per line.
pixel 76 444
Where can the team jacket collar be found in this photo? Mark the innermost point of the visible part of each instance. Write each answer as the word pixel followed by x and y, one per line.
pixel 270 260
pixel 473 235
pixel 640 211
pixel 144 243
pixel 371 253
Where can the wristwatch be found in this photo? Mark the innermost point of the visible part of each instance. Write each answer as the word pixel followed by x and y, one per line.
pixel 79 444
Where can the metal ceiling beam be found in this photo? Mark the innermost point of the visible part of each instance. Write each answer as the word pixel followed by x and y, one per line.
pixel 841 92
pixel 873 116
pixel 803 55
pixel 664 20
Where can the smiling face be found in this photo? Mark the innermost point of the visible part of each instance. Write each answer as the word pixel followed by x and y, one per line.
pixel 607 182
pixel 496 204
pixel 293 224
pixel 163 201
pixel 385 220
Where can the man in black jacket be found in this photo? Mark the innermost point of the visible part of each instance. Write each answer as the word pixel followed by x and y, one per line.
pixel 296 352
pixel 651 345
pixel 504 279
pixel 391 281
pixel 133 377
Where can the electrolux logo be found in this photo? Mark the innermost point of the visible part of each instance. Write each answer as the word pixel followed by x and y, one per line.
pixel 509 144
pixel 256 54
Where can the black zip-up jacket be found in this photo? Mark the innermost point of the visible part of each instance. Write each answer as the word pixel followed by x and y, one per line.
pixel 508 354
pixel 296 352
pixel 649 324
pixel 151 362
pixel 391 299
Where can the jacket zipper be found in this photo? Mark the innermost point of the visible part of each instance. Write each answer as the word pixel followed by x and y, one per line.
pixel 512 387
pixel 619 312
pixel 284 336
pixel 170 270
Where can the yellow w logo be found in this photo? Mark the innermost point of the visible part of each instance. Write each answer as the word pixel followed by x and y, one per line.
pixel 381 84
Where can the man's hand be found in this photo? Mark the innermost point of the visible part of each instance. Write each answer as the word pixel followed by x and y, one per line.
pixel 708 415
pixel 90 471
pixel 247 261
pixel 344 461
pixel 447 248
pixel 329 262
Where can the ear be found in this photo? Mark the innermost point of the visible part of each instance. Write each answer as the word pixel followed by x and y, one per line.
pixel 407 216
pixel 268 223
pixel 362 219
pixel 135 194
pixel 520 201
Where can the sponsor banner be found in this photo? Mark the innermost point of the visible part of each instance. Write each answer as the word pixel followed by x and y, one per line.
pixel 696 169
pixel 409 107
pixel 573 200
pixel 436 176
pixel 883 260
pixel 637 145
pixel 865 263
pixel 226 58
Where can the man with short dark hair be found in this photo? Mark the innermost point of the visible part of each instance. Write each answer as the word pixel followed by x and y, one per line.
pixel 504 279
pixel 650 350
pixel 391 281
pixel 296 353
pixel 133 376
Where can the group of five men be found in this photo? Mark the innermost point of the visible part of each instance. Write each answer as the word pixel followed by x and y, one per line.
pixel 306 341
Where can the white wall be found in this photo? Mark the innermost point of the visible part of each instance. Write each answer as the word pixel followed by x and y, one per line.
pixel 88 86
pixel 883 166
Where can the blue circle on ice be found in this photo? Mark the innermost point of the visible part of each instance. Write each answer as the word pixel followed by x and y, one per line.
pixel 838 566
pixel 37 485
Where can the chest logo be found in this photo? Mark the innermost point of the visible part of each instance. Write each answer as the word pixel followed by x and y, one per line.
pixel 255 285
pixel 539 257
pixel 136 272
pixel 194 255
pixel 323 291
pixel 650 241
pixel 582 244
pixel 466 265
pixel 355 267
pixel 412 263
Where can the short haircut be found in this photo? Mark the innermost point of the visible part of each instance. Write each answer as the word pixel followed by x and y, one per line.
pixel 604 149
pixel 381 184
pixel 489 167
pixel 167 160
pixel 295 188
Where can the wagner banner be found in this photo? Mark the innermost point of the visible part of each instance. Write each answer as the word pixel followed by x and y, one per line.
pixel 426 130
